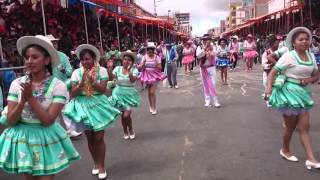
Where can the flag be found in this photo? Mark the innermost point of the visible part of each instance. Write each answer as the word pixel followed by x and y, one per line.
pixel 90 3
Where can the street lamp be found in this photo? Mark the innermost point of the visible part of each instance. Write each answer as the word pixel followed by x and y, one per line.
pixel 167 33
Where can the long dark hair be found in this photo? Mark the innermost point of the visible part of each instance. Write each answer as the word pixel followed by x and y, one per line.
pixel 43 51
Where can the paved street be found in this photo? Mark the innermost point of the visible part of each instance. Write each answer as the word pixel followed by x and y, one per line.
pixel 186 141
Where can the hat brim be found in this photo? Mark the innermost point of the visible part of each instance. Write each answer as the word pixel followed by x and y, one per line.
pixel 292 32
pixel 206 38
pixel 131 54
pixel 55 39
pixel 26 41
pixel 89 47
pixel 151 47
pixel 235 37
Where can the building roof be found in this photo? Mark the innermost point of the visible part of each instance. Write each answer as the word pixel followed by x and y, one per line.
pixel 143 10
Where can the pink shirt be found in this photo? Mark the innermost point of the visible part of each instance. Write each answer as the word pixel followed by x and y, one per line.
pixel 188 51
pixel 249 46
pixel 151 63
pixel 234 47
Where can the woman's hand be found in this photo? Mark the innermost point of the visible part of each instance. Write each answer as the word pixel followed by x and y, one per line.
pixel 306 81
pixel 26 89
pixel 81 84
pixel 110 64
pixel 129 68
pixel 92 79
pixel 267 94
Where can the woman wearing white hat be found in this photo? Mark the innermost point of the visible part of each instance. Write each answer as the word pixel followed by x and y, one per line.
pixel 125 95
pixel 90 108
pixel 151 74
pixel 188 56
pixel 249 51
pixel 289 92
pixel 34 144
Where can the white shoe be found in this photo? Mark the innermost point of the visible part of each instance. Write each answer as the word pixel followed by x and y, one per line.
pixel 125 137
pixel 132 136
pixel 310 165
pixel 169 86
pixel 74 134
pixel 103 175
pixel 95 171
pixel 207 105
pixel 154 112
pixel 268 104
pixel 176 86
pixel 291 158
pixel 216 102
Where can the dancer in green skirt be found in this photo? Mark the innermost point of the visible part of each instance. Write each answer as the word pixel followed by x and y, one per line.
pixel 34 144
pixel 125 95
pixel 289 92
pixel 90 108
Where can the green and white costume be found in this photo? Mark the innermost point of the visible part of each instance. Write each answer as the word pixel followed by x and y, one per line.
pixel 28 147
pixel 125 96
pixel 293 98
pixel 91 112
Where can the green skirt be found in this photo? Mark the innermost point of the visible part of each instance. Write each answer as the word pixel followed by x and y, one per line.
pixel 36 150
pixel 125 98
pixel 95 113
pixel 291 96
pixel 3 117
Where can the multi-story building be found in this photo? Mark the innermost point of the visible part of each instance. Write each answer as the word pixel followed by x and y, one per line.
pixel 182 22
pixel 276 5
pixel 223 27
pixel 215 32
pixel 255 8
pixel 235 15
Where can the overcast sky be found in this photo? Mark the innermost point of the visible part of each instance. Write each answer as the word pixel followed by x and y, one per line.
pixel 205 14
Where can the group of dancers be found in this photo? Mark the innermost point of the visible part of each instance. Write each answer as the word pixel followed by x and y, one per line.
pixel 35 144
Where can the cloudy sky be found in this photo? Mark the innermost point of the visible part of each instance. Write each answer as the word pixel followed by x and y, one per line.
pixel 205 14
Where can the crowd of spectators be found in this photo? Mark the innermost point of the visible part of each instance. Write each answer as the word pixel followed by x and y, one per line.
pixel 20 19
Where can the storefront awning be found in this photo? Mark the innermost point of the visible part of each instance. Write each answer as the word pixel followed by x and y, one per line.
pixel 262 18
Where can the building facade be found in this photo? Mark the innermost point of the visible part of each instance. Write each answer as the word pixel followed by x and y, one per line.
pixel 277 5
pixel 236 15
pixel 255 8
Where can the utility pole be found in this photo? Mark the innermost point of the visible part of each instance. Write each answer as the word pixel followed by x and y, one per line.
pixel 155 7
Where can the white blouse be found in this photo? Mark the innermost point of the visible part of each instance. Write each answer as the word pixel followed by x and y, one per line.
pixel 293 67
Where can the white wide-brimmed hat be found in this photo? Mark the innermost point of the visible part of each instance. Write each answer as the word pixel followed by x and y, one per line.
pixel 88 47
pixel 51 37
pixel 151 45
pixel 42 41
pixel 294 31
pixel 129 53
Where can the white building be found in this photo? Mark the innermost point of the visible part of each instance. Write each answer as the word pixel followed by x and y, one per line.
pixel 277 5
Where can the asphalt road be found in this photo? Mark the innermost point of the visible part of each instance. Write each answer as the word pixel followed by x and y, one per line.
pixel 186 141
